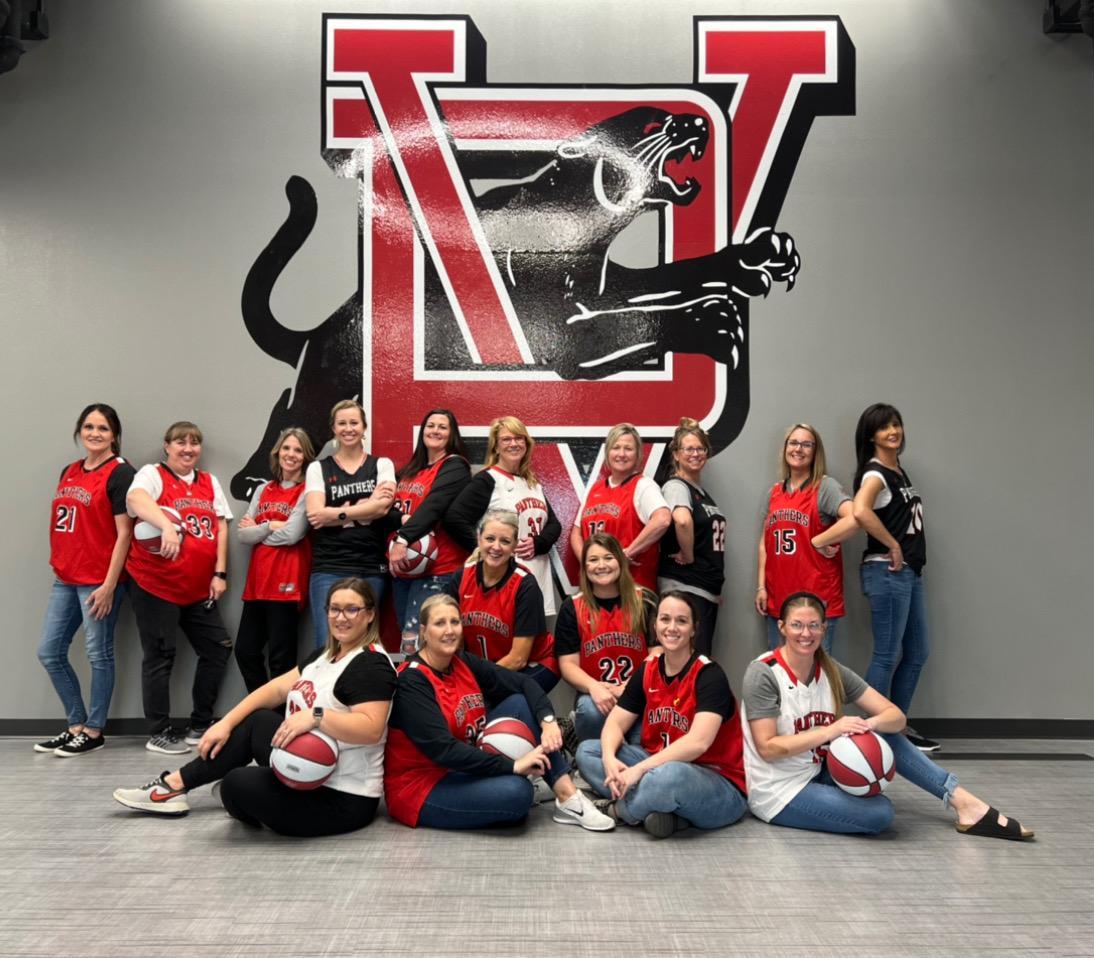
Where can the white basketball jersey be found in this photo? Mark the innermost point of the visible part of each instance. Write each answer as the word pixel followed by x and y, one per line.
pixel 771 785
pixel 513 493
pixel 360 768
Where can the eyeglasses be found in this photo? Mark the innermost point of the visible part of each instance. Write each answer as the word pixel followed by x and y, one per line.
pixel 349 612
pixel 799 627
pixel 693 451
pixel 511 441
pixel 805 444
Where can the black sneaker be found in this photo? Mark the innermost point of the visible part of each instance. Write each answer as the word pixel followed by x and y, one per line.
pixel 921 742
pixel 167 742
pixel 52 744
pixel 80 744
pixel 194 734
pixel 663 824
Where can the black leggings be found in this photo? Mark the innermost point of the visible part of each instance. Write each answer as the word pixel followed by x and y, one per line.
pixel 255 796
pixel 266 625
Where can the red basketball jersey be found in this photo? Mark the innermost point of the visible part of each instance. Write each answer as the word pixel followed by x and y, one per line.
pixel 279 573
pixel 670 710
pixel 82 531
pixel 409 776
pixel 792 564
pixel 184 580
pixel 612 649
pixel 488 617
pixel 409 494
pixel 611 509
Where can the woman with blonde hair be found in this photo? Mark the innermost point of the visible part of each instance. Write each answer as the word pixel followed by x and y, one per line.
pixel 625 504
pixel 507 481
pixel 348 495
pixel 276 526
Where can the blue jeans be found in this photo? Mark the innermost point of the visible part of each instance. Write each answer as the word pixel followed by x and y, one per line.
pixel 460 800
pixel 409 594
pixel 589 723
pixel 694 792
pixel 66 611
pixel 823 806
pixel 541 675
pixel 899 622
pixel 774 639
pixel 319 585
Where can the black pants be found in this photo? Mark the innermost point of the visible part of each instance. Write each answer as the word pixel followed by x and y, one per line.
pixel 704 628
pixel 158 622
pixel 253 794
pixel 266 625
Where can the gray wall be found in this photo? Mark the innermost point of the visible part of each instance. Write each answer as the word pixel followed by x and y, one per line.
pixel 944 230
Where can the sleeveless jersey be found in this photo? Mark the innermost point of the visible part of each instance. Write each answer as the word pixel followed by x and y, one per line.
pixel 611 509
pixel 409 494
pixel 902 517
pixel 708 571
pixel 670 710
pixel 278 573
pixel 82 531
pixel 360 768
pixel 184 580
pixel 610 651
pixel 356 548
pixel 771 785
pixel 488 617
pixel 528 502
pixel 410 776
pixel 792 564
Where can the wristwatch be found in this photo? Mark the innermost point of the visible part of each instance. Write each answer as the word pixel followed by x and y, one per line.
pixel 547 718
pixel 342 516
pixel 220 575
pixel 317 714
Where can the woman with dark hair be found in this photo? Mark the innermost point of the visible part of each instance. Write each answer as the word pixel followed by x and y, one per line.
pixel 89 533
pixel 276 525
pixel 434 774
pixel 693 552
pixel 602 634
pixel 806 516
pixel 793 708
pixel 343 690
pixel 507 481
pixel 348 496
pixel 687 769
pixel 626 504
pixel 890 509
pixel 427 486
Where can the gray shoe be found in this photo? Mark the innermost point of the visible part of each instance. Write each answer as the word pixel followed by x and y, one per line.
pixel 156 797
pixel 167 742
pixel 663 824
pixel 579 810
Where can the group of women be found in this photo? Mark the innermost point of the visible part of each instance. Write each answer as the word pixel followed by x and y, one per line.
pixel 656 732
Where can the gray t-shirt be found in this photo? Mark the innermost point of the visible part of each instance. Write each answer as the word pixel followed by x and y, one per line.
pixel 762 698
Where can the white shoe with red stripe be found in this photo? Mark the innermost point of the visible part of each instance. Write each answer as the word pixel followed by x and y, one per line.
pixel 156 797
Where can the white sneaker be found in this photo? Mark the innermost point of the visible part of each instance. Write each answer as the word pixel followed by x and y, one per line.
pixel 578 810
pixel 156 797
pixel 544 792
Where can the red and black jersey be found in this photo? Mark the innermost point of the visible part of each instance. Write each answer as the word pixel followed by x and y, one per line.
pixel 670 706
pixel 410 493
pixel 279 573
pixel 611 509
pixel 792 564
pixel 612 648
pixel 82 530
pixel 493 615
pixel 184 580
pixel 409 776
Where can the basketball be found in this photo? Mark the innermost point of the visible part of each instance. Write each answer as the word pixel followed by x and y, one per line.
pixel 148 536
pixel 306 762
pixel 507 736
pixel 420 557
pixel 861 764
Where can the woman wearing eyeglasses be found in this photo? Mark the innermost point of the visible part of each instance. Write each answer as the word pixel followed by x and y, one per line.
pixel 693 552
pixel 807 516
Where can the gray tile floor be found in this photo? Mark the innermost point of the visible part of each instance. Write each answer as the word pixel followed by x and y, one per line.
pixel 82 876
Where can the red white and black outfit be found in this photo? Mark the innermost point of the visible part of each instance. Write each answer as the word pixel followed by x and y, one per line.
pixel 174 593
pixel 709 791
pixel 434 774
pixel 277 582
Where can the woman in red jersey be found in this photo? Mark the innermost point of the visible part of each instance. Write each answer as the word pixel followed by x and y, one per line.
pixel 806 517
pixel 688 769
pixel 626 504
pixel 89 535
pixel 276 525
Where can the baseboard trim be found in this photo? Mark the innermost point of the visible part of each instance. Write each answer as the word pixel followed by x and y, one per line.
pixel 935 728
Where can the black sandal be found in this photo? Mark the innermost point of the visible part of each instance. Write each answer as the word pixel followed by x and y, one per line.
pixel 989 827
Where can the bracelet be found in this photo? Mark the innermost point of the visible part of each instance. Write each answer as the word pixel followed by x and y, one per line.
pixel 762 588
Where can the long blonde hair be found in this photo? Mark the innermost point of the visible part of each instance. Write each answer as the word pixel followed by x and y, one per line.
pixel 372 633
pixel 631 597
pixel 305 445
pixel 820 464
pixel 835 681
pixel 517 428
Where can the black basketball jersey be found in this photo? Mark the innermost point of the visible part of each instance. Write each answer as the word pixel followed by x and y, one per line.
pixel 708 571
pixel 902 517
pixel 354 547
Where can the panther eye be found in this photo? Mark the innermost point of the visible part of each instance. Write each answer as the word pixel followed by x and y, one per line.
pixel 651 127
